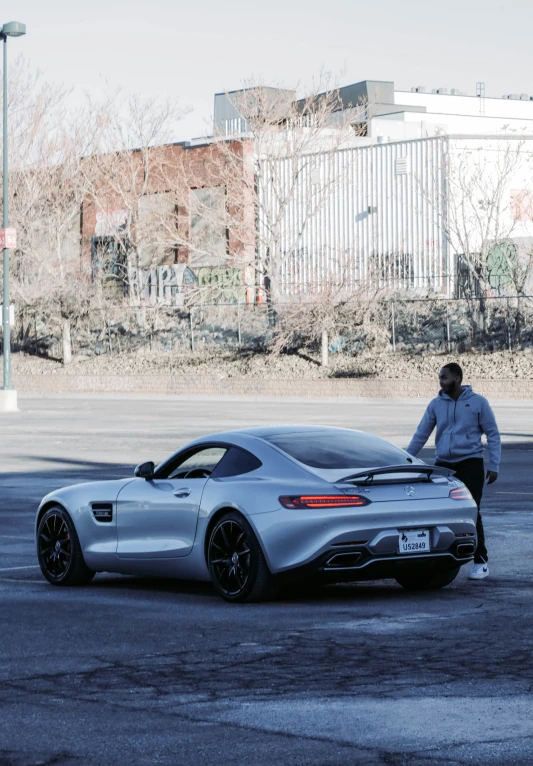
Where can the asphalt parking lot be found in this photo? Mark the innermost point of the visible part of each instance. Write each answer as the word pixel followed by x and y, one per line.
pixel 132 671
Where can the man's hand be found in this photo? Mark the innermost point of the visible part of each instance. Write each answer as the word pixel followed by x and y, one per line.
pixel 491 476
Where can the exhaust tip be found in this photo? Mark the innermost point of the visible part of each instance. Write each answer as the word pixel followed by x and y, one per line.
pixel 344 560
pixel 465 549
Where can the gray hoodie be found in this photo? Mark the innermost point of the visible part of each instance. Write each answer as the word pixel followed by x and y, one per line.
pixel 460 425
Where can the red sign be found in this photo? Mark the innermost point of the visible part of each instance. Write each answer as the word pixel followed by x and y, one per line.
pixel 8 238
pixel 522 205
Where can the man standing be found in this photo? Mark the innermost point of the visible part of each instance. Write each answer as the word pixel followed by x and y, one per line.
pixel 461 417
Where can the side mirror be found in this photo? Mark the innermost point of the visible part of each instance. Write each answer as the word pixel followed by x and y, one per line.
pixel 145 470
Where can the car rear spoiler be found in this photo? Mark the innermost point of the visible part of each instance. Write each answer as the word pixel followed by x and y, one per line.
pixel 368 475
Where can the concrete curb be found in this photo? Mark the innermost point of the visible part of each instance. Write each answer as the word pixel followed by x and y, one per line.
pixel 227 386
pixel 8 400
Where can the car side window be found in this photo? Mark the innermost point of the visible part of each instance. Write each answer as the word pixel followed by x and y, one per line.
pixel 236 462
pixel 198 464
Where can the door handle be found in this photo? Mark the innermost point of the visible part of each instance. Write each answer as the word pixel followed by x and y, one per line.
pixel 183 492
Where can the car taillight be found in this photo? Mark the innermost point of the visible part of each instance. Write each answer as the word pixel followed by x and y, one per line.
pixel 323 501
pixel 461 493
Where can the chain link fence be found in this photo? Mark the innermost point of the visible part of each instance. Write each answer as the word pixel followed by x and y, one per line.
pixel 485 324
pixel 126 329
pixel 395 325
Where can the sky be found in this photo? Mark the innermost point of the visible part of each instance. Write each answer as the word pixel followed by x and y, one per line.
pixel 190 51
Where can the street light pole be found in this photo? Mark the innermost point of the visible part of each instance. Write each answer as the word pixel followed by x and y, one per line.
pixel 6 300
pixel 8 396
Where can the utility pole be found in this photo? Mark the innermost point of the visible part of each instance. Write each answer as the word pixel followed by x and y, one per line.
pixel 8 395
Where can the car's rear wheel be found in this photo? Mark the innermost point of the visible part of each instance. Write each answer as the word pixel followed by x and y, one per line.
pixel 59 550
pixel 236 562
pixel 427 582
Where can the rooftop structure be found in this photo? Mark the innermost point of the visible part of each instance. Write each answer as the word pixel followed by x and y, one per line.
pixel 394 115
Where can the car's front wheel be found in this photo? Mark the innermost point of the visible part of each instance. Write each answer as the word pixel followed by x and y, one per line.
pixel 236 562
pixel 427 582
pixel 59 550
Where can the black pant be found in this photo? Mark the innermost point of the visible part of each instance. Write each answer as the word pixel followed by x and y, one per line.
pixel 472 473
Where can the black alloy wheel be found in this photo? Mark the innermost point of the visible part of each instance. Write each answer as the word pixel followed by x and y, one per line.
pixel 59 551
pixel 236 562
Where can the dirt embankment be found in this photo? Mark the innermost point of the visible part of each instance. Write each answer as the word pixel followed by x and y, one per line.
pixel 222 364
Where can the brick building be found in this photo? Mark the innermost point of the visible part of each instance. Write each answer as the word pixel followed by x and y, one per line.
pixel 163 219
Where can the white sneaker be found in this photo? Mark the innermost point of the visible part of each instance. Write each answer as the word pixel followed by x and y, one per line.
pixel 479 572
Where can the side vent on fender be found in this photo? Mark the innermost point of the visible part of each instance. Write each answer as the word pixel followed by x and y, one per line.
pixel 102 511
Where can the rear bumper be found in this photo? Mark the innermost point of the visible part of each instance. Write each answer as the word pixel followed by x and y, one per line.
pixel 351 564
pixel 293 540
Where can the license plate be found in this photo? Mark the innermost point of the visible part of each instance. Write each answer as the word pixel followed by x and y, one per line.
pixel 414 541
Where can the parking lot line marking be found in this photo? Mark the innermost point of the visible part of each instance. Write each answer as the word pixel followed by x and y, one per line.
pixel 501 492
pixel 12 569
pixel 17 537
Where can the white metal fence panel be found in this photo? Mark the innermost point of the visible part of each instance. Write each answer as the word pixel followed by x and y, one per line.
pixel 349 218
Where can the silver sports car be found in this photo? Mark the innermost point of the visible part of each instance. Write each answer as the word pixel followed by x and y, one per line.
pixel 256 508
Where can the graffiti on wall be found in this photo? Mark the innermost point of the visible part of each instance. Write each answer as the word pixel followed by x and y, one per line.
pixel 227 281
pixel 171 285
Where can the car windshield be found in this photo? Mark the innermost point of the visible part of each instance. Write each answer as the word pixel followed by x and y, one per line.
pixel 337 449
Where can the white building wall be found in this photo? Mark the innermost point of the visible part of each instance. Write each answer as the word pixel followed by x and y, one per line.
pixel 367 216
pixel 453 115
pixel 474 106
pixel 422 125
pixel 374 215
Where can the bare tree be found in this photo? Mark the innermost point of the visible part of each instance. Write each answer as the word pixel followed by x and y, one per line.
pixel 50 273
pixel 329 312
pixel 126 186
pixel 205 215
pixel 295 145
pixel 482 209
pixel 484 214
pixel 481 198
pixel 222 209
pixel 47 141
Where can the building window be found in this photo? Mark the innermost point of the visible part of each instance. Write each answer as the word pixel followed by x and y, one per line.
pixel 209 233
pixel 109 264
pixel 157 230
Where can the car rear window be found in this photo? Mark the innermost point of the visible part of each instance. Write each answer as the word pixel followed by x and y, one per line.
pixel 340 449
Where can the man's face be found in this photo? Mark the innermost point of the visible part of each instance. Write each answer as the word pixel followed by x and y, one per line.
pixel 447 380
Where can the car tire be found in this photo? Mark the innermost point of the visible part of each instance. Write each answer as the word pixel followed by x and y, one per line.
pixel 59 550
pixel 236 561
pixel 427 582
